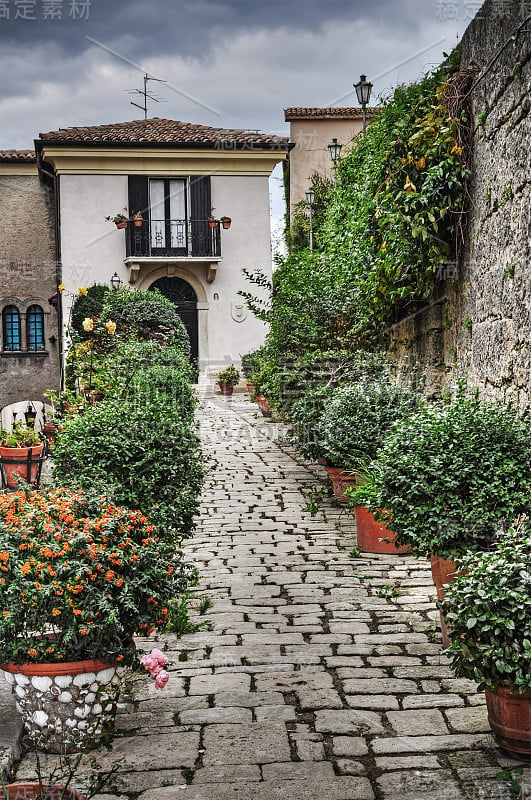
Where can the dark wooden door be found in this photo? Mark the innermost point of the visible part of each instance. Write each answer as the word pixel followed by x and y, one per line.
pixel 184 298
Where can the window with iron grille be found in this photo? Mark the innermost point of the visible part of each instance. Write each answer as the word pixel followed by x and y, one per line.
pixel 11 331
pixel 35 328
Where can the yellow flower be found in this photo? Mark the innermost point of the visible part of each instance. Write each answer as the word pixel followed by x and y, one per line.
pixel 383 248
pixel 409 186
pixel 61 288
pixel 111 327
pixel 82 290
pixel 88 324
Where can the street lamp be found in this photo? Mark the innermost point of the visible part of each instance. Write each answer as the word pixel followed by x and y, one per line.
pixel 116 281
pixel 334 148
pixel 363 90
pixel 310 197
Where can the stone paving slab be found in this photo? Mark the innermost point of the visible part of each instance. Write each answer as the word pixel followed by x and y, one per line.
pixel 311 682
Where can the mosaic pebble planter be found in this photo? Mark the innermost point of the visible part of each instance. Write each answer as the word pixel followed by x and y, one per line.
pixel 32 791
pixel 65 707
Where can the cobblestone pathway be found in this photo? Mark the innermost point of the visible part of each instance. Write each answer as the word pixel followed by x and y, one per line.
pixel 321 676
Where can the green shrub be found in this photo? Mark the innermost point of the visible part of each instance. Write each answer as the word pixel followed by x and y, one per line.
pixel 163 384
pixel 358 418
pixel 89 305
pixel 448 476
pixel 146 453
pixel 145 314
pixel 488 611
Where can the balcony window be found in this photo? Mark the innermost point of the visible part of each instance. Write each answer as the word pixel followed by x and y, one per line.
pixel 168 216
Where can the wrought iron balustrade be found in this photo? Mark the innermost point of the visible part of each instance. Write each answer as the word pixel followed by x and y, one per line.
pixel 173 237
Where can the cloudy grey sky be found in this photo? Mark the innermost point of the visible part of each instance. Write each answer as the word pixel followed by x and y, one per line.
pixel 242 60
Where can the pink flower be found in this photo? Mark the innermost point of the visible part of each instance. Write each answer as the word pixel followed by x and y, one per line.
pixel 150 663
pixel 159 656
pixel 162 679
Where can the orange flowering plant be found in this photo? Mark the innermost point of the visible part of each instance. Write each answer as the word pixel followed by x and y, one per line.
pixel 80 576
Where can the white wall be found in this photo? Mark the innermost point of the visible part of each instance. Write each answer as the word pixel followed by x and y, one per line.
pixel 92 250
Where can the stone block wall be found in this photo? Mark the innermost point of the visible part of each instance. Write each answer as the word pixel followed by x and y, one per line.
pixel 480 325
pixel 28 275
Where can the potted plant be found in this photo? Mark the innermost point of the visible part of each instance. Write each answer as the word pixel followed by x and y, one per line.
pixel 138 219
pixel 488 610
pixel 447 475
pixel 120 220
pixel 21 452
pixel 69 615
pixel 227 379
pixel 226 222
pixel 354 425
pixel 213 222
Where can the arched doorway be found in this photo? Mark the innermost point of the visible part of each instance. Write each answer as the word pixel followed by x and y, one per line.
pixel 184 298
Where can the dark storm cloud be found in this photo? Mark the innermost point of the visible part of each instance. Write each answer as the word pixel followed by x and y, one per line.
pixel 181 27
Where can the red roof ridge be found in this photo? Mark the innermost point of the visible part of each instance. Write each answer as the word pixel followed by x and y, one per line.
pixel 27 156
pixel 326 112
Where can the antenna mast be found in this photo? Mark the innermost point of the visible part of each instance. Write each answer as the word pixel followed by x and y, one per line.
pixel 147 95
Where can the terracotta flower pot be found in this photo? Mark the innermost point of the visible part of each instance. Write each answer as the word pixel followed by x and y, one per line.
pixel 370 532
pixel 121 224
pixel 32 791
pixel 341 480
pixel 510 720
pixel 138 223
pixel 250 387
pixel 264 405
pixel 23 462
pixel 68 706
pixel 213 223
pixel 226 223
pixel 443 571
pixel 226 388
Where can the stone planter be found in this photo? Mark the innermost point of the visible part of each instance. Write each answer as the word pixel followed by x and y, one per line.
pixel 370 533
pixel 226 389
pixel 65 707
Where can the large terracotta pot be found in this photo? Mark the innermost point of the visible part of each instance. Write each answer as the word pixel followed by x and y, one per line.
pixel 24 462
pixel 443 571
pixel 32 791
pixel 370 532
pixel 341 480
pixel 226 389
pixel 264 405
pixel 510 720
pixel 68 706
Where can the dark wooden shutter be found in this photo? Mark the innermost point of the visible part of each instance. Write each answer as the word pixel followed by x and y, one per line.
pixel 200 208
pixel 138 238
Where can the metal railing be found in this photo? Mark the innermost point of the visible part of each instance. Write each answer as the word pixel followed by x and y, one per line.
pixel 173 237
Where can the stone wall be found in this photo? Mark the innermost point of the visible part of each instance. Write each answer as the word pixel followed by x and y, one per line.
pixel 27 276
pixel 479 325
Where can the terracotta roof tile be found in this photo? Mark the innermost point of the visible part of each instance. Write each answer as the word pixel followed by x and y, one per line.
pixel 26 156
pixel 165 132
pixel 339 112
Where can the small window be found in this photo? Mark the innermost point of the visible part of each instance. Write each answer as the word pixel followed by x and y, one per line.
pixel 35 328
pixel 11 328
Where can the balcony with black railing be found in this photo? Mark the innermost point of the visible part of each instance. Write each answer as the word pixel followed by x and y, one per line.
pixel 173 238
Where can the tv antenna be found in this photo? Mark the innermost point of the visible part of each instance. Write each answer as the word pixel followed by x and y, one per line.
pixel 147 95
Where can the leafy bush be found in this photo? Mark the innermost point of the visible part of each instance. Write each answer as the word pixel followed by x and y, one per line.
pixel 488 611
pixel 144 314
pixel 79 578
pixel 358 418
pixel 229 375
pixel 251 362
pixel 147 453
pixel 449 475
pixel 87 306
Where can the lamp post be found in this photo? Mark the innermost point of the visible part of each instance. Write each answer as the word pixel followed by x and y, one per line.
pixel 116 281
pixel 334 148
pixel 310 197
pixel 363 90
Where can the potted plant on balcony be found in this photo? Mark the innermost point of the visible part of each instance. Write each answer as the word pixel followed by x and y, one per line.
pixel 120 220
pixel 68 617
pixel 488 610
pixel 446 477
pixel 21 451
pixel 226 222
pixel 213 222
pixel 138 219
pixel 227 379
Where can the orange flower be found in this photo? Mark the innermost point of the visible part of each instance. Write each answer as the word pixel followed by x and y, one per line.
pixel 55 612
pixel 32 652
pixel 120 582
pixel 25 568
pixel 110 575
pixel 4 556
